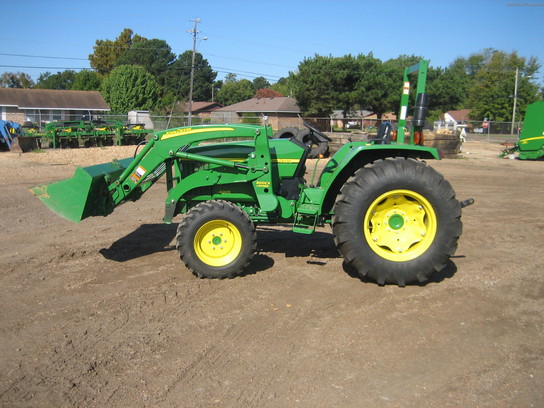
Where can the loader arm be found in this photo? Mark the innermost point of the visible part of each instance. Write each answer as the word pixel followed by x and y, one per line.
pixel 97 190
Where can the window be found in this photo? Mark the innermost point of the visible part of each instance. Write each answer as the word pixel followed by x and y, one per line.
pixel 45 115
pixel 31 115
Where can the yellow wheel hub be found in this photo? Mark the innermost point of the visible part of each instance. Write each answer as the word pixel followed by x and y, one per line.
pixel 400 225
pixel 218 243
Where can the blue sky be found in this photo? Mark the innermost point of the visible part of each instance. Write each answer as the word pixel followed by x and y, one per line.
pixel 269 38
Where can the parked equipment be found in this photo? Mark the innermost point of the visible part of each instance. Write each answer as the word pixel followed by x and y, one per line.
pixel 394 219
pixel 530 145
pixel 87 133
pixel 9 132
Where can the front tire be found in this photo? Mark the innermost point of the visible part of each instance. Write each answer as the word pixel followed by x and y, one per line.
pixel 216 239
pixel 397 221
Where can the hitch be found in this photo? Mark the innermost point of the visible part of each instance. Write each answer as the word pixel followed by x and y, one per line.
pixel 467 202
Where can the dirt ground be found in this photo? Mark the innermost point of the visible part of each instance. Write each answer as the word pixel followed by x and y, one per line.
pixel 104 314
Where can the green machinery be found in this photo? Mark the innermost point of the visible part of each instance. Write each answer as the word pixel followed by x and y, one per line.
pixel 531 140
pixel 394 218
pixel 420 106
pixel 87 133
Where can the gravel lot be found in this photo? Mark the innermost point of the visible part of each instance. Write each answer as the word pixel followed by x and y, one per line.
pixel 103 313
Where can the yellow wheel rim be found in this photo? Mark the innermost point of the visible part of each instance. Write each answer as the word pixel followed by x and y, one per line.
pixel 400 225
pixel 218 243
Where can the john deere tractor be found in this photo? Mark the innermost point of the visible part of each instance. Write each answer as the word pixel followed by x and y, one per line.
pixel 394 219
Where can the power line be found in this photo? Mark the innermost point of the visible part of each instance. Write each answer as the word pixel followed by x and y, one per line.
pixel 251 61
pixel 217 69
pixel 228 70
pixel 44 56
pixel 35 67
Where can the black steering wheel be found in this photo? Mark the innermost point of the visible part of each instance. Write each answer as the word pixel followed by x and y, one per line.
pixel 318 133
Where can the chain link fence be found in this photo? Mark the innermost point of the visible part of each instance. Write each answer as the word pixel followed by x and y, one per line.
pixel 494 131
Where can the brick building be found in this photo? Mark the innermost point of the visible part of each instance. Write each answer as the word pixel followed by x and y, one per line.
pixel 281 111
pixel 40 106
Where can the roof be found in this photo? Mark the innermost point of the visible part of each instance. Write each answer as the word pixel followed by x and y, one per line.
pixel 202 106
pixel 459 115
pixel 52 99
pixel 275 104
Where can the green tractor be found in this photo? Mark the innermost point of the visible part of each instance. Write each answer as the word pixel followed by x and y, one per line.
pixel 530 145
pixel 395 219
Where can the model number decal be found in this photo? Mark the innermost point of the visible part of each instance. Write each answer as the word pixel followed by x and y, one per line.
pixel 191 131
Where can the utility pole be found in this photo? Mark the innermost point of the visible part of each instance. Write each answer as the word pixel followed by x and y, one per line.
pixel 194 31
pixel 515 102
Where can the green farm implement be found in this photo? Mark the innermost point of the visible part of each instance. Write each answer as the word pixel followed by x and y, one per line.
pixel 88 133
pixel 531 140
pixel 394 218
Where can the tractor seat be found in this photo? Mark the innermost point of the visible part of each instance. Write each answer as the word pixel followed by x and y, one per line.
pixel 384 134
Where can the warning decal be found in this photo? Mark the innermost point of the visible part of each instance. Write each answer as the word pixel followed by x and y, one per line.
pixel 140 171
pixel 406 90
pixel 137 175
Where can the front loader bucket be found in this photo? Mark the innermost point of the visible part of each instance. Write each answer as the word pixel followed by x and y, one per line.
pixel 83 195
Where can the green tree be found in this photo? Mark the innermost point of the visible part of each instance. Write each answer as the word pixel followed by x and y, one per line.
pixel 178 77
pixel 447 89
pixel 260 83
pixel 130 87
pixel 87 81
pixel 381 85
pixel 492 94
pixel 216 86
pixel 230 77
pixel 378 85
pixel 284 86
pixel 106 52
pixel 16 80
pixel 235 91
pixel 154 55
pixel 60 80
pixel 324 84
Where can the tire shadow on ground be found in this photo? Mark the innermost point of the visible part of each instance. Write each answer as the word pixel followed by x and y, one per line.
pixel 148 239
pixel 145 240
pixel 292 244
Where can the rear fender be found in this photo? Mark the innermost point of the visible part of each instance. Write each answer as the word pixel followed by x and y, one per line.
pixel 353 156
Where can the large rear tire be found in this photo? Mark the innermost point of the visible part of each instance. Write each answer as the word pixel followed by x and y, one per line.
pixel 216 239
pixel 286 133
pixel 397 221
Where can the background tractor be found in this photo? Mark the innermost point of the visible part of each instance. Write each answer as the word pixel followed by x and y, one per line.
pixel 530 145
